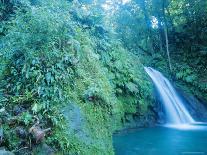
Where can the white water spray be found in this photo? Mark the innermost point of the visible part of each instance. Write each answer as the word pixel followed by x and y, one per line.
pixel 176 112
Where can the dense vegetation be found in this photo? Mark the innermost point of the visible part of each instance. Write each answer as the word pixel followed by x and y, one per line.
pixel 72 72
pixel 170 33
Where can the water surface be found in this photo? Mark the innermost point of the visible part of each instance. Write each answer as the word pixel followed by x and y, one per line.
pixel 162 141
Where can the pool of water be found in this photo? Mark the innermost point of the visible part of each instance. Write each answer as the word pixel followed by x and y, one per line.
pixel 161 141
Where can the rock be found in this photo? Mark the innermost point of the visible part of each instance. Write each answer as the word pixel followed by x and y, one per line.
pixel 43 149
pixel 21 132
pixel 138 121
pixel 76 122
pixel 195 106
pixel 38 133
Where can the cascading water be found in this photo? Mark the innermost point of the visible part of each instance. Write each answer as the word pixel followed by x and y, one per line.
pixel 176 112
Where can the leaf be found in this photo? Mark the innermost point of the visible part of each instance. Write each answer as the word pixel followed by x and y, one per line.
pixel 179 75
pixel 26 118
pixel 132 87
pixel 36 108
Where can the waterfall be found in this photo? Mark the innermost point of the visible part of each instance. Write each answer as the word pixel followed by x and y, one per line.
pixel 176 112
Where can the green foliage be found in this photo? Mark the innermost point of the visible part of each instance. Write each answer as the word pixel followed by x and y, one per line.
pixel 130 83
pixel 145 25
pixel 26 118
pixel 53 57
pixel 195 84
pixel 11 141
pixel 186 74
pixel 59 54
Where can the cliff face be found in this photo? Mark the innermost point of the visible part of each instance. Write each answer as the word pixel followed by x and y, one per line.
pixel 70 75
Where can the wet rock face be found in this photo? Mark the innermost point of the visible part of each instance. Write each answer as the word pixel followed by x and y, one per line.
pixel 76 122
pixel 196 107
pixel 138 120
pixel 43 149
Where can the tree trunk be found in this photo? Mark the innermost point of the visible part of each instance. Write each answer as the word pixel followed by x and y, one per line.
pixel 167 46
pixel 166 36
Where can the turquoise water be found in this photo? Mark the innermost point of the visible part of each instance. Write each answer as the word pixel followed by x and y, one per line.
pixel 161 141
